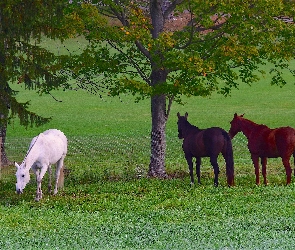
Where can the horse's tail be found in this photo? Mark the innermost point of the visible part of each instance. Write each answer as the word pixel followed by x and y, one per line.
pixel 229 159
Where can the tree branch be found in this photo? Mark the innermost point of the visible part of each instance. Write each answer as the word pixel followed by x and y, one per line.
pixel 170 98
pixel 142 75
pixel 143 50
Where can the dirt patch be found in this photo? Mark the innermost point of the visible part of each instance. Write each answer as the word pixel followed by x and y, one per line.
pixel 177 174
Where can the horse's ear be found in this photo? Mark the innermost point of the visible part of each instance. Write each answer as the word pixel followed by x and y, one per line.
pixel 178 115
pixel 16 164
pixel 235 115
pixel 242 115
pixel 186 115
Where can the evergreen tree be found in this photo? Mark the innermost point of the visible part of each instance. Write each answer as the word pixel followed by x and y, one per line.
pixel 22 60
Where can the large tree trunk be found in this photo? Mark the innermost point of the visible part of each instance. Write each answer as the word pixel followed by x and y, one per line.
pixel 158 137
pixel 158 100
pixel 158 133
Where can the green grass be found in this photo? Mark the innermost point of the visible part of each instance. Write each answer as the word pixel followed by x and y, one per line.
pixel 152 214
pixel 107 201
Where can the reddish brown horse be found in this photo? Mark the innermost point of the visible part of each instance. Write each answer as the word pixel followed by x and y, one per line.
pixel 206 143
pixel 266 143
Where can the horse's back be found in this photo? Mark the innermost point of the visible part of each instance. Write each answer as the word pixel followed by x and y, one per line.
pixel 272 142
pixel 215 131
pixel 215 139
pixel 49 147
pixel 285 140
pixel 53 134
pixel 285 133
pixel 207 142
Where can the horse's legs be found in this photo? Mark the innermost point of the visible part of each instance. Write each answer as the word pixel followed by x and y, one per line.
pixel 286 162
pixel 255 160
pixel 39 190
pixel 49 177
pixel 189 160
pixel 198 168
pixel 39 176
pixel 213 160
pixel 59 166
pixel 263 163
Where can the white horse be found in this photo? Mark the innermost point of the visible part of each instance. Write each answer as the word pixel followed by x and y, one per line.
pixel 47 148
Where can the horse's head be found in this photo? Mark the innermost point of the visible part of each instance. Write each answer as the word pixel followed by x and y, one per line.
pixel 22 177
pixel 235 125
pixel 182 120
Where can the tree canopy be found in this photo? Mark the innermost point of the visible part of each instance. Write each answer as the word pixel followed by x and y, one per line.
pixel 221 43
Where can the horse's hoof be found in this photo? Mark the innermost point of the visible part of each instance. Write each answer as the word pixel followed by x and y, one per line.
pixel 38 197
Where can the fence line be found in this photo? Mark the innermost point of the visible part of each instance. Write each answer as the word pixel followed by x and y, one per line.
pixel 93 158
pixel 118 149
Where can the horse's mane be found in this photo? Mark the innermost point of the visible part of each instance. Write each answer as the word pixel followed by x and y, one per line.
pixel 193 127
pixel 256 124
pixel 29 151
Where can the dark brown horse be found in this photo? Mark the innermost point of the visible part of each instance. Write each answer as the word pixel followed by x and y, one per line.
pixel 266 143
pixel 208 142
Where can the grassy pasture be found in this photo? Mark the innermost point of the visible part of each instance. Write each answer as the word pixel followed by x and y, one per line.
pixel 107 201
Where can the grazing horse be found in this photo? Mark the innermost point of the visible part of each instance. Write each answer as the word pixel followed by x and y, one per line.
pixel 208 142
pixel 47 148
pixel 265 143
